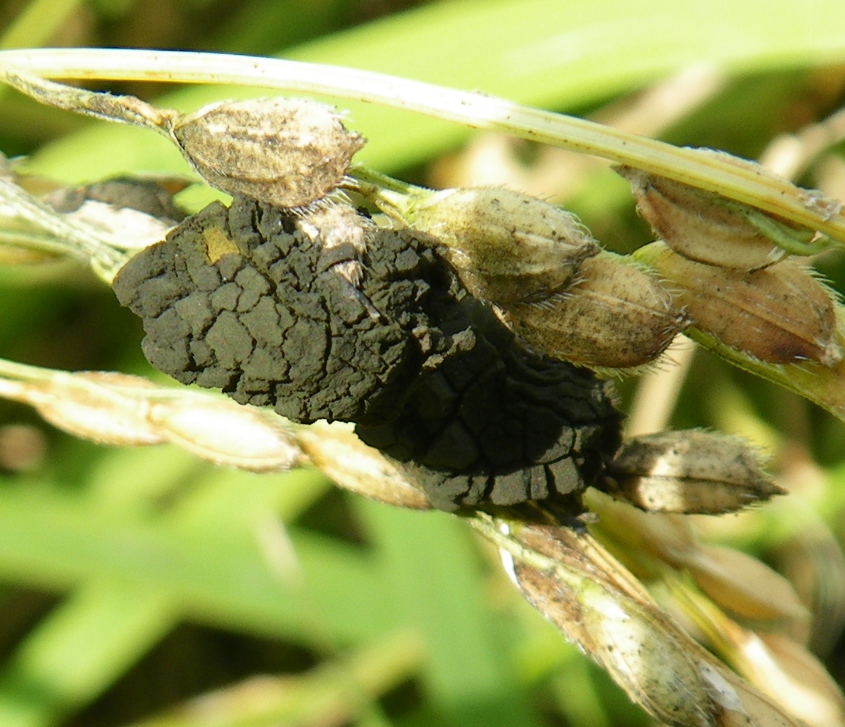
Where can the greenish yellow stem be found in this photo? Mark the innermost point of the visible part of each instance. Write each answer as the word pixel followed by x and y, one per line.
pixel 391 196
pixel 797 242
pixel 715 173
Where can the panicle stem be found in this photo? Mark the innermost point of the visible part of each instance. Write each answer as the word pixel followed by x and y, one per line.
pixel 716 173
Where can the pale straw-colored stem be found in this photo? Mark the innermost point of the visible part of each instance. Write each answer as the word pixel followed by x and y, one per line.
pixel 715 173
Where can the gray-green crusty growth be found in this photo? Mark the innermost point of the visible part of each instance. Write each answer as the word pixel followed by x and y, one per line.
pixel 252 301
pixel 241 299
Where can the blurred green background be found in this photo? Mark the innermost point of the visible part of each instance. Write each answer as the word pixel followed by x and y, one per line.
pixel 134 582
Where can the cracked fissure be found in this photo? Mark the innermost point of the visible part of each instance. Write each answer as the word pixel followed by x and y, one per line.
pixel 240 299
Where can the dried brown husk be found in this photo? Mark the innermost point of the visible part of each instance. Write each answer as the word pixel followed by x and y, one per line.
pixel 778 666
pixel 614 316
pixel 692 471
pixel 572 581
pixel 88 405
pixel 742 585
pixel 700 225
pixel 506 247
pixel 235 436
pixel 124 410
pixel 600 607
pixel 738 704
pixel 286 152
pixel 781 315
pixel 647 659
pixel 339 454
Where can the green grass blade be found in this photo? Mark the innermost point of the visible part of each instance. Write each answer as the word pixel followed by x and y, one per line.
pixel 435 583
pixel 96 635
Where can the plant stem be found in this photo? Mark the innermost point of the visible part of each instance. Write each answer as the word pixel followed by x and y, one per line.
pixel 715 173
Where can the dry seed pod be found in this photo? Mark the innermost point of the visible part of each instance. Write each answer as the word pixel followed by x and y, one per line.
pixel 285 152
pixel 152 196
pixel 614 316
pixel 646 658
pixel 506 247
pixel 578 586
pixel 738 704
pixel 124 410
pixel 779 315
pixel 699 225
pixel 92 406
pixel 798 679
pixel 335 450
pixel 620 627
pixel 128 228
pixel 227 434
pixel 690 472
pixel 743 585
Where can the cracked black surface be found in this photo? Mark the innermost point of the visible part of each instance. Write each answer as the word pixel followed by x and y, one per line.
pixel 434 381
pixel 272 324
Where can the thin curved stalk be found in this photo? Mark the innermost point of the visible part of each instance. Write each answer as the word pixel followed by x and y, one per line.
pixel 716 173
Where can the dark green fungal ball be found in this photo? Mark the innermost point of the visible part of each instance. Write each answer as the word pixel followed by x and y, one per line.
pixel 240 300
pixel 495 424
pixel 243 300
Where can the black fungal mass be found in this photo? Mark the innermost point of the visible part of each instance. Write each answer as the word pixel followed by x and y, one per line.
pixel 240 299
